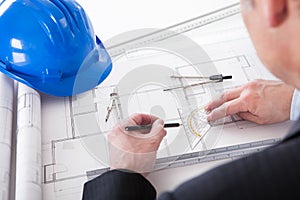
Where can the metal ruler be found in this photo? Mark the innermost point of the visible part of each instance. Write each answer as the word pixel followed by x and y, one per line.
pixel 222 153
pixel 171 31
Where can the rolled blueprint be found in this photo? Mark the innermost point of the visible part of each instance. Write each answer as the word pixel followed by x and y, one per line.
pixel 28 156
pixel 6 118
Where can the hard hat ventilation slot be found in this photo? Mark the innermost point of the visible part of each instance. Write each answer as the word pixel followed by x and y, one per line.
pixel 5 65
pixel 64 9
pixel 2 64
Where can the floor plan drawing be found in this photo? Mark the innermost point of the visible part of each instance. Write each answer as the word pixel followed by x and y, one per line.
pixel 75 128
pixel 50 146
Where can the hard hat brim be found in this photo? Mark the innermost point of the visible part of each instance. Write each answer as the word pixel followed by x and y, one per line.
pixel 90 74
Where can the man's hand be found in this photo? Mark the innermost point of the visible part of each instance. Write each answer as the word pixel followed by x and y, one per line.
pixel 135 150
pixel 260 101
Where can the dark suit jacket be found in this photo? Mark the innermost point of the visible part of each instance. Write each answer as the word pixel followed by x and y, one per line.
pixel 271 174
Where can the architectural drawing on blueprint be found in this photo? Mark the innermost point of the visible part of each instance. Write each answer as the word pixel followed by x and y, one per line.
pixel 76 144
pixel 6 116
pixel 28 156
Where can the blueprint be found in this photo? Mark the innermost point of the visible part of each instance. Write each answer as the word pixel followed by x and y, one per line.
pixel 74 130
pixel 6 116
pixel 28 153
pixel 61 142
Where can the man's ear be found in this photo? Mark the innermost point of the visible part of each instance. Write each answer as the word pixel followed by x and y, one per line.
pixel 274 11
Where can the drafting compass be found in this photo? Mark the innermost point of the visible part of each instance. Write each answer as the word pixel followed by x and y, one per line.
pixel 206 80
pixel 114 104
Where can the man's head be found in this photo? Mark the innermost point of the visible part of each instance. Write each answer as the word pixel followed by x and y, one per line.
pixel 274 27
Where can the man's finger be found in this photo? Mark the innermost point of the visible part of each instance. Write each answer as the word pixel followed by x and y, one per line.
pixel 249 117
pixel 228 108
pixel 142 119
pixel 225 97
pixel 158 130
pixel 133 120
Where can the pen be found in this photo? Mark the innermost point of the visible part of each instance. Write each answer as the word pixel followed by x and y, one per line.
pixel 148 126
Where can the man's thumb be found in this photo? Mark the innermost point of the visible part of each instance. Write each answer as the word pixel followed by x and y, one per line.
pixel 157 126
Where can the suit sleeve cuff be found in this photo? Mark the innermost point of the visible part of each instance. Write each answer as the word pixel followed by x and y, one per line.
pixel 119 184
pixel 295 106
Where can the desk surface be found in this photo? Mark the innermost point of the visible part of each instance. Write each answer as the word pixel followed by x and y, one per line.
pixel 66 142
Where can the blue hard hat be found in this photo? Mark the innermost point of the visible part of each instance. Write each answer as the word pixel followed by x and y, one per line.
pixel 50 45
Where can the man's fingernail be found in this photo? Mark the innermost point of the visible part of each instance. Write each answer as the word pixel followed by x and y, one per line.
pixel 207 109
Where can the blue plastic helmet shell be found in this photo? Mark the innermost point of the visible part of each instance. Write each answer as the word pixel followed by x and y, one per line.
pixel 50 45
